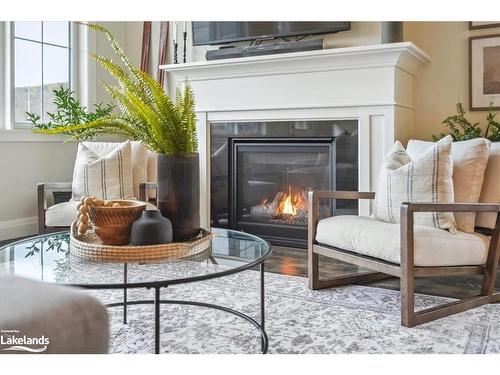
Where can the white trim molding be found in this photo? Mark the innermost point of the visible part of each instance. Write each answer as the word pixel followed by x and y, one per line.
pixel 370 84
pixel 18 228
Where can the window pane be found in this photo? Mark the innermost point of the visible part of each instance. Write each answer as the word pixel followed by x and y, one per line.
pixel 28 30
pixel 55 74
pixel 28 78
pixel 56 33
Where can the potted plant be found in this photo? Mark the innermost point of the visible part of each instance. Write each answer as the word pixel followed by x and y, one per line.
pixel 167 127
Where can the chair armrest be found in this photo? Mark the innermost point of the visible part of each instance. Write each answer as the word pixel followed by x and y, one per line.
pixel 42 199
pixel 450 207
pixel 143 187
pixel 315 195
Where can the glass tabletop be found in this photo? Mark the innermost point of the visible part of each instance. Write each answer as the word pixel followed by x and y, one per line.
pixel 47 258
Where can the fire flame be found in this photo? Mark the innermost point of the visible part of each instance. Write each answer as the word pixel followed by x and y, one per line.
pixel 290 203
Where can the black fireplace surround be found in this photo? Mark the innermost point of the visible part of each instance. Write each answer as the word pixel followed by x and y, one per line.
pixel 261 173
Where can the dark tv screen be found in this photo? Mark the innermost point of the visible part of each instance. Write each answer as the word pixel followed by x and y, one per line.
pixel 227 32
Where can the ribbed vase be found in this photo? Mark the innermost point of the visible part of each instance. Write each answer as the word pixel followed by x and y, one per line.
pixel 179 193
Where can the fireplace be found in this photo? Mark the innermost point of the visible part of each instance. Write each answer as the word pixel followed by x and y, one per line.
pixel 261 174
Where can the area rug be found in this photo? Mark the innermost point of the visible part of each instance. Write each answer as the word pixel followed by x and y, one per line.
pixel 352 319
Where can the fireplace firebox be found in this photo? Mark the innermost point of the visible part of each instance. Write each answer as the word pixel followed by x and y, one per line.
pixel 262 173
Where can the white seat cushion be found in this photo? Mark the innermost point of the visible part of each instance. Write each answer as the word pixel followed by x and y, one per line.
pixel 62 214
pixel 379 239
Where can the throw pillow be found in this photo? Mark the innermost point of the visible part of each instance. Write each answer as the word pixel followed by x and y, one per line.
pixel 469 163
pixel 103 177
pixel 426 179
pixel 139 159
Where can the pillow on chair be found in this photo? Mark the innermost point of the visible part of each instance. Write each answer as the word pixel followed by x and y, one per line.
pixel 426 179
pixel 104 177
pixel 469 163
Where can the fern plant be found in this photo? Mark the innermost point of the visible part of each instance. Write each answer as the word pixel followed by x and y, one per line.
pixel 147 113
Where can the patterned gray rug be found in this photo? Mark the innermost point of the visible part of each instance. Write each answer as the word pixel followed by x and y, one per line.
pixel 353 319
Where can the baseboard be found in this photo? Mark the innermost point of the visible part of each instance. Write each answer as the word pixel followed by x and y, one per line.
pixel 18 228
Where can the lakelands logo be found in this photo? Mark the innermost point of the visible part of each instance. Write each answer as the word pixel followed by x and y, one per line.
pixel 23 343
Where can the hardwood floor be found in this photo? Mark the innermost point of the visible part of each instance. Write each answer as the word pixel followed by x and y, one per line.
pixel 291 261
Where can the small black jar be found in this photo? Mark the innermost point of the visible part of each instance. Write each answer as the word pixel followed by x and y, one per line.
pixel 151 229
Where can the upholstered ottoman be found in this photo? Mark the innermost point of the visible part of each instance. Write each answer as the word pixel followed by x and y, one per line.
pixel 63 319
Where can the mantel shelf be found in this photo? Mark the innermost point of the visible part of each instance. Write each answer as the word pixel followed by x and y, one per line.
pixel 405 55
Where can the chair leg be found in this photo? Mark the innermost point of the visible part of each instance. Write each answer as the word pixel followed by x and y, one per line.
pixel 491 267
pixel 407 280
pixel 313 269
pixel 407 287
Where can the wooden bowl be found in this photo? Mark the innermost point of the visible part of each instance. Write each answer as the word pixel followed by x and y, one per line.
pixel 113 224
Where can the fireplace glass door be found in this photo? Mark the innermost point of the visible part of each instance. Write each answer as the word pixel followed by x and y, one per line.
pixel 270 181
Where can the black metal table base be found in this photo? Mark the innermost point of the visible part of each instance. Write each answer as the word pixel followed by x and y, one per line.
pixel 157 301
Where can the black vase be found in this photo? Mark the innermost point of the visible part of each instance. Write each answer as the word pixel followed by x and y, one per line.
pixel 179 193
pixel 151 228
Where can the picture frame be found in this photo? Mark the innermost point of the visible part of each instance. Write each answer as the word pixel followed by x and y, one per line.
pixel 484 72
pixel 476 25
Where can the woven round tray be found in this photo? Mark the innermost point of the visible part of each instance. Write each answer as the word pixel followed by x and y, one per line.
pixel 88 246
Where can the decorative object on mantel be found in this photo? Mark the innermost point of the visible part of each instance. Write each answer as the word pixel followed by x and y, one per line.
pixel 176 45
pixel 147 114
pixel 111 220
pixel 391 32
pixel 184 39
pixel 151 229
pixel 89 246
pixel 474 25
pixel 484 72
pixel 462 129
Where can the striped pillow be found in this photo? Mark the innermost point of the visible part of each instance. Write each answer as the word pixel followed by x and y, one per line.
pixel 105 177
pixel 426 179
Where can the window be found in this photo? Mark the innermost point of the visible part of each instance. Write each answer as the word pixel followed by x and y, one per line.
pixel 41 62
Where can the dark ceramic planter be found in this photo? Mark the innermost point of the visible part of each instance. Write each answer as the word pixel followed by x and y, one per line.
pixel 151 229
pixel 179 193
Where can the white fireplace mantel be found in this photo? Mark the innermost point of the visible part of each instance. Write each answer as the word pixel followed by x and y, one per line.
pixel 373 84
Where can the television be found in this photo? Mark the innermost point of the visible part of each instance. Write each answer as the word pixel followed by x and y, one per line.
pixel 212 33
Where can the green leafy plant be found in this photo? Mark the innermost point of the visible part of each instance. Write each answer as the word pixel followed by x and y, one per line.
pixel 147 113
pixel 462 129
pixel 69 111
pixel 493 128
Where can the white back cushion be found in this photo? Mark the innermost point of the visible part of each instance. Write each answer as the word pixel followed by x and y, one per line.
pixel 424 179
pixel 490 192
pixel 139 159
pixel 469 162
pixel 104 177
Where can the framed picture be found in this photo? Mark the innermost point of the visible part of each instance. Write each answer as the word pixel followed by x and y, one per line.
pixel 484 72
pixel 483 24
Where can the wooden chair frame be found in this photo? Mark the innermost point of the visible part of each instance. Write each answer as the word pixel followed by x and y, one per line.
pixel 406 271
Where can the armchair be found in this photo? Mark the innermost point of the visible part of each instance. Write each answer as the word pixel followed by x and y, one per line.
pixel 55 216
pixel 413 260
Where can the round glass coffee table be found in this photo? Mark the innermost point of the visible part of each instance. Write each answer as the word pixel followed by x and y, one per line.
pixel 47 258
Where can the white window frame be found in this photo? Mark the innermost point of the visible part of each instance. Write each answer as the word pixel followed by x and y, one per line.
pixel 82 80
